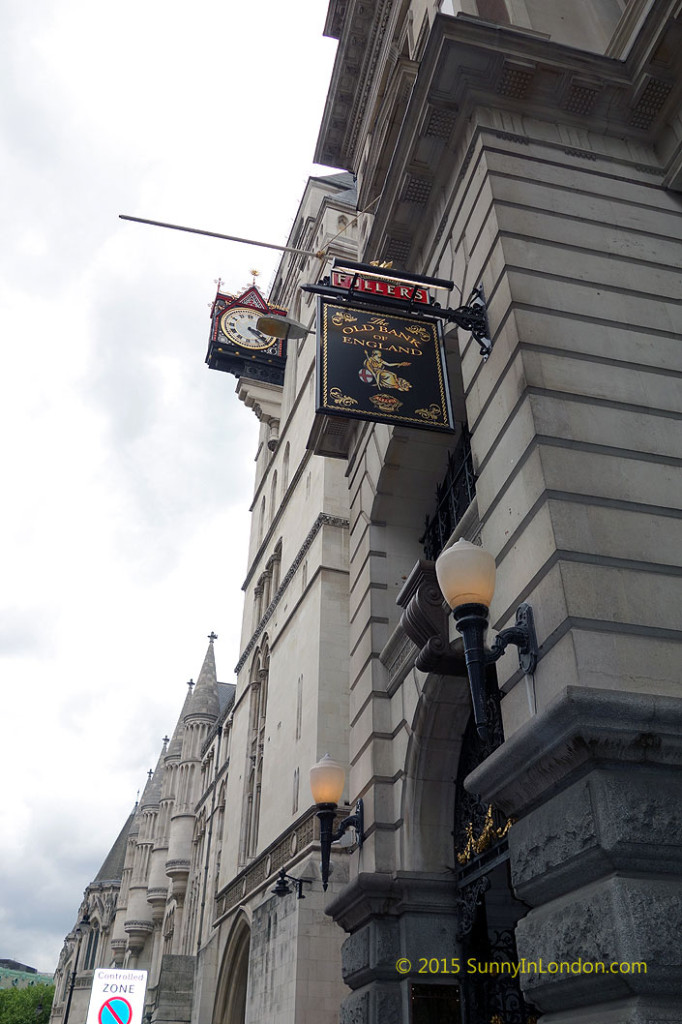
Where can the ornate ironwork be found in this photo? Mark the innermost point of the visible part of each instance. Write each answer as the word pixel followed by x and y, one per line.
pixel 487 838
pixel 487 908
pixel 473 317
pixel 522 635
pixel 474 817
pixel 453 497
pixel 469 903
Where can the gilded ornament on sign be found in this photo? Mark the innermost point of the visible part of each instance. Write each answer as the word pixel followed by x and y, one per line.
pixel 385 403
pixel 338 398
pixel 340 318
pixel 489 834
pixel 433 412
pixel 420 332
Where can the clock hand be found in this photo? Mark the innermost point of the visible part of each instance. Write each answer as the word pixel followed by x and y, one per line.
pixel 257 333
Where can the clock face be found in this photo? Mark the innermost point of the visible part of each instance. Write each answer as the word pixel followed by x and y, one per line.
pixel 239 325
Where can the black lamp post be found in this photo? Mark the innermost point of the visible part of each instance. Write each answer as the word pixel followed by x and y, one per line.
pixel 327 778
pixel 79 931
pixel 466 576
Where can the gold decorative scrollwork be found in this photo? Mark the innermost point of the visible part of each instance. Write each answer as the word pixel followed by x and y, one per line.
pixel 338 398
pixel 420 332
pixel 340 318
pixel 487 837
pixel 433 412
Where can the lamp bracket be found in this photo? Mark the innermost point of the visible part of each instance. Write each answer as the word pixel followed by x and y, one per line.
pixel 473 316
pixel 522 635
pixel 356 821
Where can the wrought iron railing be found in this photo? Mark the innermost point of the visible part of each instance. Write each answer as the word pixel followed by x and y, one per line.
pixel 453 497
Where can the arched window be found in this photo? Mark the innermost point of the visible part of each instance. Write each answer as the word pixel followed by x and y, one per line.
pixel 299 706
pixel 285 468
pixel 91 950
pixel 294 805
pixel 261 522
pixel 256 745
pixel 273 495
pixel 68 968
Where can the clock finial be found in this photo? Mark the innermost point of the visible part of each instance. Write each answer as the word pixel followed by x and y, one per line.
pixel 254 275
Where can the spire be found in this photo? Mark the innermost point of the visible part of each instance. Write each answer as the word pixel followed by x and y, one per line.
pixel 205 698
pixel 112 868
pixel 152 791
pixel 175 745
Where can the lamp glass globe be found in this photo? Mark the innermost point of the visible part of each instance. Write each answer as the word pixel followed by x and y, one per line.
pixel 466 574
pixel 327 778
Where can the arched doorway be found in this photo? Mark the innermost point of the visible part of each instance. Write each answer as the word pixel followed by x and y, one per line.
pixel 232 988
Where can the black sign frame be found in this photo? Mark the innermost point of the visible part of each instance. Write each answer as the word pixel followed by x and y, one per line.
pixel 354 379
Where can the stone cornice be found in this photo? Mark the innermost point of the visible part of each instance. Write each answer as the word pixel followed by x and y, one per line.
pixel 469 66
pixel 374 894
pixel 363 28
pixel 581 727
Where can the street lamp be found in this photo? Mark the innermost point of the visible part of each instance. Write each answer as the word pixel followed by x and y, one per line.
pixel 466 576
pixel 79 932
pixel 327 778
pixel 282 327
pixel 282 887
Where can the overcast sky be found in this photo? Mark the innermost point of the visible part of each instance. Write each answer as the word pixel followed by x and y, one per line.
pixel 127 466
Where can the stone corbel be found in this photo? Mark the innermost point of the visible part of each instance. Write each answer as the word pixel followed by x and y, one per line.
pixel 425 621
pixel 266 401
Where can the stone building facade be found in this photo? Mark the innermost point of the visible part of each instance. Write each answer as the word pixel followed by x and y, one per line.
pixel 533 148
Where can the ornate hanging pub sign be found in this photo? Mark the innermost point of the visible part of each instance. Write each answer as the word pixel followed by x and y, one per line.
pixel 374 364
pixel 380 352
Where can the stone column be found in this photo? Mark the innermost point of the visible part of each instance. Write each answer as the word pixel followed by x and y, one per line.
pixel 395 922
pixel 595 781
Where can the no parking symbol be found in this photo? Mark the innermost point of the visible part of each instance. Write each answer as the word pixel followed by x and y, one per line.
pixel 117 997
pixel 116 1011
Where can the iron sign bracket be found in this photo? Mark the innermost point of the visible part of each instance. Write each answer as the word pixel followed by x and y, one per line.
pixel 472 316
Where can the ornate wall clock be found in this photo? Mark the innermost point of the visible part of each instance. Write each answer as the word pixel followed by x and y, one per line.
pixel 237 346
pixel 239 326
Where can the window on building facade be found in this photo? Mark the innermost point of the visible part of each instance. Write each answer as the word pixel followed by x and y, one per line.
pixel 285 467
pixel 299 706
pixel 168 929
pixel 273 495
pixel 261 520
pixel 91 951
pixel 256 744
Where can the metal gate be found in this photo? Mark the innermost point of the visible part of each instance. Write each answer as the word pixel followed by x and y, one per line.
pixel 490 989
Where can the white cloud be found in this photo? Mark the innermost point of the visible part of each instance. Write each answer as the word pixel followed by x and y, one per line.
pixel 126 466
